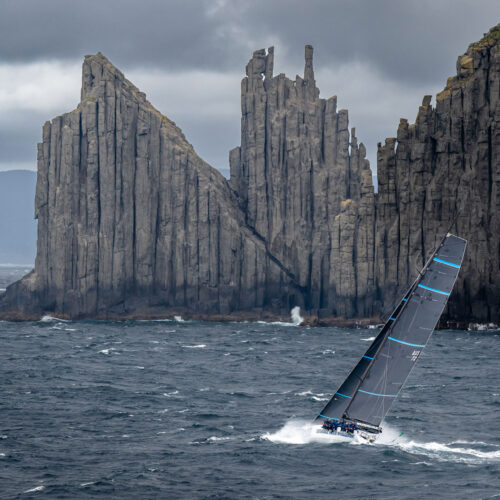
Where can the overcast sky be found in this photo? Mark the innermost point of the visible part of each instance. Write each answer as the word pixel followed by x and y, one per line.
pixel 378 56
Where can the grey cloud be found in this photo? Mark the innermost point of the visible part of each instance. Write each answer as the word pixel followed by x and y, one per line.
pixel 407 40
pixel 413 44
pixel 170 34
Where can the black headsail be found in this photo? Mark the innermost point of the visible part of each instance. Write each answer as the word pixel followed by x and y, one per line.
pixel 368 392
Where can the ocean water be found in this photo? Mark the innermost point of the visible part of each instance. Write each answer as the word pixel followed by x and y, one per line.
pixel 178 409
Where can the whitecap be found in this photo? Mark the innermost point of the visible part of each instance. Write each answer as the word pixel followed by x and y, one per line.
pixel 107 351
pixel 198 346
pixel 215 438
pixel 482 327
pixel 87 484
pixel 37 488
pixel 328 351
pixel 170 394
pixel 48 319
pixel 369 339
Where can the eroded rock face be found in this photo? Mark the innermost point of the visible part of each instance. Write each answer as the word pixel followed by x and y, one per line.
pixel 129 217
pixel 132 223
pixel 305 186
pixel 443 173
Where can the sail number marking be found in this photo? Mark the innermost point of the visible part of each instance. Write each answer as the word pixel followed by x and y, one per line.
pixel 414 355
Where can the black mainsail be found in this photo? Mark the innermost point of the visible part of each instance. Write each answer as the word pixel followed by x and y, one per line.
pixel 370 389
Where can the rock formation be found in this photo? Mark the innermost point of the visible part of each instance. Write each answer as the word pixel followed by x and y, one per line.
pixel 132 223
pixel 444 168
pixel 305 186
pixel 130 218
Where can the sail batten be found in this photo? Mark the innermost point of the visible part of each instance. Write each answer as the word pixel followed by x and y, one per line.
pixel 368 392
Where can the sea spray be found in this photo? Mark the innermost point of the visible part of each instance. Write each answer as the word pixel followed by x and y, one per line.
pixel 297 319
pixel 305 432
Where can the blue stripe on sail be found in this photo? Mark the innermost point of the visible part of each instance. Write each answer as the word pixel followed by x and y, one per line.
pixel 407 343
pixel 331 418
pixel 447 263
pixel 393 319
pixel 381 395
pixel 367 357
pixel 343 395
pixel 433 290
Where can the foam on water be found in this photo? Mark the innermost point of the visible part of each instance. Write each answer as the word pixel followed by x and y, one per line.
pixel 304 432
pixel 296 319
pixel 49 319
pixel 37 488
pixel 448 452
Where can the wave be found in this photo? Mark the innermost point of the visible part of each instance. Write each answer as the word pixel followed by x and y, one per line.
pixel 369 339
pixel 48 319
pixel 482 327
pixel 107 351
pixel 444 453
pixel 303 432
pixel 37 488
pixel 198 346
pixel 295 317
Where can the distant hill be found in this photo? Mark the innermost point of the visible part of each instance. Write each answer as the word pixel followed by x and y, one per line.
pixel 17 225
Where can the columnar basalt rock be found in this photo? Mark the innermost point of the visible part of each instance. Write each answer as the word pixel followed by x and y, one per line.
pixel 296 166
pixel 443 172
pixel 132 223
pixel 130 218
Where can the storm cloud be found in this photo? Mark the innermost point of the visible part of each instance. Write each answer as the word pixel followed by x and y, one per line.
pixel 379 56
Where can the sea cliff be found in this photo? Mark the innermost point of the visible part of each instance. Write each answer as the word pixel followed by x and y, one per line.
pixel 132 223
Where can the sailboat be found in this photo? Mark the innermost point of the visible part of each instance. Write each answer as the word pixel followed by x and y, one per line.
pixel 361 403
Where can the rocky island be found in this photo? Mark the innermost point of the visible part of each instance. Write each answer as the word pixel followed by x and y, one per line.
pixel 132 223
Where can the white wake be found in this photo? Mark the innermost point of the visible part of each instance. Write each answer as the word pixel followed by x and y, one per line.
pixel 304 432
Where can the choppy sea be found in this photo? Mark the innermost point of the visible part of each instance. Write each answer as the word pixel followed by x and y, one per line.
pixel 179 409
